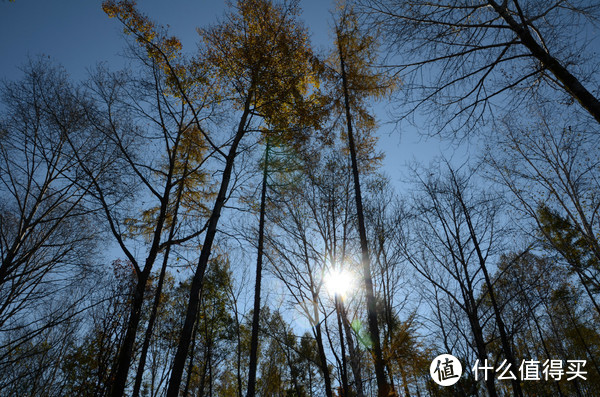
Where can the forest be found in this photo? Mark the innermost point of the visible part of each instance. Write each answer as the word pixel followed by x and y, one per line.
pixel 216 221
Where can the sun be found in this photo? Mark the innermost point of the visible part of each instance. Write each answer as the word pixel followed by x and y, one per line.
pixel 339 282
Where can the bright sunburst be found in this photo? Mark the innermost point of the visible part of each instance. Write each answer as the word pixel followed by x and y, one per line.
pixel 339 282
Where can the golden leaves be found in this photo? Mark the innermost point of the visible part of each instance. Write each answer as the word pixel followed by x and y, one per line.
pixel 163 50
pixel 262 52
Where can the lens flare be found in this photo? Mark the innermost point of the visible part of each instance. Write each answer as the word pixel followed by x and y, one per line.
pixel 339 282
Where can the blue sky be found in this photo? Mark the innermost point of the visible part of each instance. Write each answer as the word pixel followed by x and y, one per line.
pixel 78 35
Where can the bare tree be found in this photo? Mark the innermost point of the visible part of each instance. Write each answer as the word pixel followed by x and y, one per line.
pixel 457 234
pixel 160 154
pixel 468 60
pixel 296 261
pixel 385 217
pixel 47 231
pixel 551 169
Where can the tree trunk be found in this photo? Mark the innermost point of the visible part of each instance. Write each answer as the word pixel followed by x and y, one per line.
pixel 148 336
pixel 197 280
pixel 191 363
pixel 126 351
pixel 256 313
pixel 480 346
pixel 343 346
pixel 573 86
pixel 538 328
pixel 506 345
pixel 354 357
pixel 323 359
pixel 156 303
pixel 382 385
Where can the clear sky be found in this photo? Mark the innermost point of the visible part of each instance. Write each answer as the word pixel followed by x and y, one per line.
pixel 78 35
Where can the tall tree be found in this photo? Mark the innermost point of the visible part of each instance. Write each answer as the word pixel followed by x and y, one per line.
pixel 385 218
pixel 262 62
pixel 173 101
pixel 257 287
pixel 450 254
pixel 550 168
pixel 355 52
pixel 47 222
pixel 122 101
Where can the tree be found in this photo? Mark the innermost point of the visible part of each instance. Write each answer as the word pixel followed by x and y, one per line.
pixel 189 185
pixel 468 59
pixel 574 248
pixel 549 167
pixel 169 128
pixel 278 372
pixel 257 288
pixel 288 127
pixel 385 217
pixel 262 61
pixel 296 260
pixel 88 362
pixel 355 52
pixel 553 326
pixel 173 174
pixel 455 235
pixel 48 226
pixel 212 343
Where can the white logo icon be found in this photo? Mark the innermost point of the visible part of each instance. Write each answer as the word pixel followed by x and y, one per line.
pixel 445 370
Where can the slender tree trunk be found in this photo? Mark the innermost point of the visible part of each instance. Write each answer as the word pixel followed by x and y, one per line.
pixel 538 328
pixel 148 336
pixel 352 351
pixel 159 287
pixel 445 342
pixel 354 357
pixel 204 371
pixel 126 351
pixel 191 363
pixel 238 354
pixel 293 373
pixel 323 359
pixel 197 280
pixel 480 346
pixel 587 289
pixel 345 387
pixel 506 345
pixel 256 313
pixel 382 385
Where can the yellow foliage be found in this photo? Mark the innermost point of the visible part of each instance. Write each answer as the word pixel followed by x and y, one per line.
pixel 263 53
pixel 163 50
